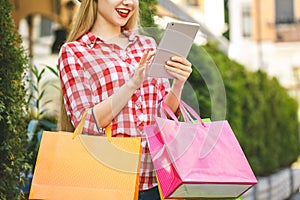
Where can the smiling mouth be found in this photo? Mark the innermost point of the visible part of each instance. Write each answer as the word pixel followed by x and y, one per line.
pixel 123 12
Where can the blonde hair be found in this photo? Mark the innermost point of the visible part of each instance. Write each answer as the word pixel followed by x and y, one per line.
pixel 84 21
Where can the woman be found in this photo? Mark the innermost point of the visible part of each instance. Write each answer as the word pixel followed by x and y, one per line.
pixel 102 67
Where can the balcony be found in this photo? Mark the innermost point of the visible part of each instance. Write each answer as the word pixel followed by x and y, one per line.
pixel 287 32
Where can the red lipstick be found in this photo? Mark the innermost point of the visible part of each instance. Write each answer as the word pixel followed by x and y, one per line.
pixel 123 12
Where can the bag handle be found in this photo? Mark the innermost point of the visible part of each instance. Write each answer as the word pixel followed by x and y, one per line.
pixel 78 130
pixel 185 110
pixel 184 106
pixel 169 111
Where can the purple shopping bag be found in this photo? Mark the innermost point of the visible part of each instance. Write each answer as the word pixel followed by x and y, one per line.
pixel 201 160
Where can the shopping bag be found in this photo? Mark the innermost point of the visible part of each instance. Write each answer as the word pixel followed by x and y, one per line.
pixel 201 160
pixel 71 166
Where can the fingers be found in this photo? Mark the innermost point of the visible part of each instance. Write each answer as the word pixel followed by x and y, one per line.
pixel 150 55
pixel 179 67
pixel 140 71
pixel 144 58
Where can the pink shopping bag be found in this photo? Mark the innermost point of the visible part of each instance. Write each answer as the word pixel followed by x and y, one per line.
pixel 201 160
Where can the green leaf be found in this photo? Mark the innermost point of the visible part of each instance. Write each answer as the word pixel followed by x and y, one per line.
pixel 41 95
pixel 54 71
pixel 34 71
pixel 43 111
pixel 40 75
pixel 34 87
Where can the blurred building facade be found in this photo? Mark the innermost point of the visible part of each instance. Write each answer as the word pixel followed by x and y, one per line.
pixel 265 35
pixel 208 13
pixel 45 23
pixel 48 20
pixel 43 26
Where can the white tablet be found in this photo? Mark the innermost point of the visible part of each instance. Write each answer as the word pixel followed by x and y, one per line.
pixel 177 40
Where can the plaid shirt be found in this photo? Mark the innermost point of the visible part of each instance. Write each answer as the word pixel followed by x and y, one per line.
pixel 91 70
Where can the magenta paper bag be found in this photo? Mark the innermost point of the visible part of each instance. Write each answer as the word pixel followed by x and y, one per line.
pixel 197 160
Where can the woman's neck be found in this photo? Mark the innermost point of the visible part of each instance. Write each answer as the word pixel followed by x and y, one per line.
pixel 111 34
pixel 106 32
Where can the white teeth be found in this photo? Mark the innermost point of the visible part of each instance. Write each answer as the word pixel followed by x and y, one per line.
pixel 123 11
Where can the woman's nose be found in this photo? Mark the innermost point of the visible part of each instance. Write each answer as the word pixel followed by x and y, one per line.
pixel 126 2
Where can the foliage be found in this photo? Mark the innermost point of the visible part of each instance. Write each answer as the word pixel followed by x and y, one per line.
pixel 147 24
pixel 13 61
pixel 260 111
pixel 147 11
pixel 39 119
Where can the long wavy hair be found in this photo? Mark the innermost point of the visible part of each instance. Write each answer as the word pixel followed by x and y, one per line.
pixel 84 21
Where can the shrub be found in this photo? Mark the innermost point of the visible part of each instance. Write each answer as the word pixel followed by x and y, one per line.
pixel 261 112
pixel 13 61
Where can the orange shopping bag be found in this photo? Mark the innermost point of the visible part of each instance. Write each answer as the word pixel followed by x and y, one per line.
pixel 86 167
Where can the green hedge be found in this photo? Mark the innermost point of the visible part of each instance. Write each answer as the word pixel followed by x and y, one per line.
pixel 261 112
pixel 13 145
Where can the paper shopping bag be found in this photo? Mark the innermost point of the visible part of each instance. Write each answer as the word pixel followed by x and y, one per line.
pixel 86 167
pixel 197 160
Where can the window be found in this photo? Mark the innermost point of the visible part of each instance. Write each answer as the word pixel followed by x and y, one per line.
pixel 46 27
pixel 284 10
pixel 246 21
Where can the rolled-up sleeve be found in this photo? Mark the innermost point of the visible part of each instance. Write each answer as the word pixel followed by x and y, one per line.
pixel 76 89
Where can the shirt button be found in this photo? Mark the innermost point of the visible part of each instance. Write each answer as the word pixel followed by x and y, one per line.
pixel 91 45
pixel 138 105
pixel 123 55
pixel 142 117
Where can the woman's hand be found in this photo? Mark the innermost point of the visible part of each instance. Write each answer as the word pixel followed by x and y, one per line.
pixel 140 72
pixel 180 68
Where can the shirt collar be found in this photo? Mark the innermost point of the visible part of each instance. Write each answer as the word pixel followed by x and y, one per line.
pixel 132 36
pixel 91 39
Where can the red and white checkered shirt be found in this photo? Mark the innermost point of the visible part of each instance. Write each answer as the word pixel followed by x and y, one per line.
pixel 91 70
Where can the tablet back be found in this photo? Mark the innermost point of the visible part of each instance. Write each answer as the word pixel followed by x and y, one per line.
pixel 177 40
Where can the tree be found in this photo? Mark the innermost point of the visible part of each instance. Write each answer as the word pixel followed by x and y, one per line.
pixel 13 141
